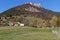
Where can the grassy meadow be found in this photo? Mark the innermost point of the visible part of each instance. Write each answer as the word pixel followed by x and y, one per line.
pixel 27 33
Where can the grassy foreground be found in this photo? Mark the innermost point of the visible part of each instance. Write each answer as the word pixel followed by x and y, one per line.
pixel 27 33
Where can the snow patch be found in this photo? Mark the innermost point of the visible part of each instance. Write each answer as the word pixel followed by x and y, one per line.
pixel 34 4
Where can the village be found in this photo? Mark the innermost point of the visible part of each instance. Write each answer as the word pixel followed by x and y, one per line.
pixel 28 21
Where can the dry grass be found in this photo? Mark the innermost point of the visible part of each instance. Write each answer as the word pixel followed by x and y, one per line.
pixel 27 33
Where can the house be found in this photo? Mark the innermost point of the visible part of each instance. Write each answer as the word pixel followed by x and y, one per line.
pixel 20 24
pixel 16 24
pixel 3 19
pixel 10 24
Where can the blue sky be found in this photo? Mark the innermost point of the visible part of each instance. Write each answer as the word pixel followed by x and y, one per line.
pixel 48 4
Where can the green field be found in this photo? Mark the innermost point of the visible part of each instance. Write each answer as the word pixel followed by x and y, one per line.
pixel 27 33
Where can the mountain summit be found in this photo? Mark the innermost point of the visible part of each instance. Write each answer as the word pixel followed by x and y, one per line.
pixel 34 4
pixel 33 7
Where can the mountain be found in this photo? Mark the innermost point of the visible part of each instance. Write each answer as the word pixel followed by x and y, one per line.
pixel 30 9
pixel 30 14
